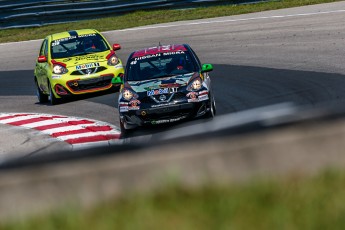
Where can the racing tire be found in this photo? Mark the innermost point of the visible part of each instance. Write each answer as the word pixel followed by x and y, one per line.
pixel 125 132
pixel 212 112
pixel 42 98
pixel 52 99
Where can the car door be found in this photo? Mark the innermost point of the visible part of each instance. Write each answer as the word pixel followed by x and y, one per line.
pixel 42 66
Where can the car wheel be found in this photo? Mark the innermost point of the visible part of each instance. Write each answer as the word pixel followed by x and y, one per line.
pixel 124 131
pixel 42 98
pixel 212 112
pixel 52 99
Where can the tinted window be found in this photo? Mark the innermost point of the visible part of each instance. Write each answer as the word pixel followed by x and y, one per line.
pixel 78 45
pixel 160 65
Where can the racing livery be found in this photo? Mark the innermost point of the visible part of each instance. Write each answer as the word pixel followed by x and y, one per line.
pixel 164 84
pixel 75 62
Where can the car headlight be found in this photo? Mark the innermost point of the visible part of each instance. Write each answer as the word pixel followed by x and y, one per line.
pixel 59 69
pixel 113 60
pixel 195 85
pixel 128 94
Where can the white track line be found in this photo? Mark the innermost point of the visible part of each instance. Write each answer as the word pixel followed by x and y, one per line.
pixel 231 20
pixel 207 22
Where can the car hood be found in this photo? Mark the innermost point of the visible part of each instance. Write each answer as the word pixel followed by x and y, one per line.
pixel 160 83
pixel 85 59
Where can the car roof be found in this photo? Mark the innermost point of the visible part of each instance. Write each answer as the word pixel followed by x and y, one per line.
pixel 72 33
pixel 159 49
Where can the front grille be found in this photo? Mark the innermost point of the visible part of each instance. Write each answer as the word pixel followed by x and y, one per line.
pixel 169 112
pixel 89 84
pixel 147 100
pixel 170 115
pixel 88 71
pixel 176 97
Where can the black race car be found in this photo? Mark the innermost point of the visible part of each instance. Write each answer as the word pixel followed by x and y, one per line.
pixel 164 84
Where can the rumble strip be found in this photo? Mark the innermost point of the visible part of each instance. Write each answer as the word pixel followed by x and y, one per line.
pixel 72 130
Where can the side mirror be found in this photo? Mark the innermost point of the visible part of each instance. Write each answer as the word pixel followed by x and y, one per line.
pixel 206 68
pixel 117 80
pixel 42 59
pixel 116 47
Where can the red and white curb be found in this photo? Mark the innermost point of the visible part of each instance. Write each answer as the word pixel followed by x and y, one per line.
pixel 72 130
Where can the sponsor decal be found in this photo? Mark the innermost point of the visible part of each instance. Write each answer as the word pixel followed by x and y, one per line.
pixel 145 57
pixel 161 105
pixel 134 105
pixel 56 77
pixel 173 90
pixel 87 66
pixel 157 122
pixel 123 109
pixel 57 42
pixel 203 97
pixel 196 97
pixel 149 88
pixel 148 56
pixel 157 91
pixel 203 92
pixel 170 85
pixel 159 49
pixel 193 97
pixel 123 106
pixel 160 122
pixel 173 53
pixel 89 57
pixel 162 97
pixel 87 35
pixel 134 102
pixel 67 59
pixel 88 71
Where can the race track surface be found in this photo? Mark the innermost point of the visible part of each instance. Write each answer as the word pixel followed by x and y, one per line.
pixel 293 55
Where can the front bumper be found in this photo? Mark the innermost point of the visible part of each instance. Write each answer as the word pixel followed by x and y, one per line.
pixel 85 81
pixel 164 114
pixel 82 86
pixel 90 85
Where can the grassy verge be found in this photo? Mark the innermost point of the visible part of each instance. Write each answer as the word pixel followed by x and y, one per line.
pixel 142 18
pixel 295 202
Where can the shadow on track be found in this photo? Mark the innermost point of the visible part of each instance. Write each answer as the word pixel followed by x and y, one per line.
pixel 236 88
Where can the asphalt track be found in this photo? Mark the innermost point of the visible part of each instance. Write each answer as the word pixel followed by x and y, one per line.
pixel 292 55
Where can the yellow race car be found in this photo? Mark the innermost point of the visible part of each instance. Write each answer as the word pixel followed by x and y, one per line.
pixel 75 62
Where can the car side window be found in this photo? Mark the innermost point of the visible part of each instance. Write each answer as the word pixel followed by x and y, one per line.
pixel 44 48
pixel 196 57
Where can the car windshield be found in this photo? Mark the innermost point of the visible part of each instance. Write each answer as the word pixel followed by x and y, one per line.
pixel 160 65
pixel 78 45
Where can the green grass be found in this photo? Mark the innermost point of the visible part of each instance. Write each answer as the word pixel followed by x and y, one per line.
pixel 142 18
pixel 296 202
